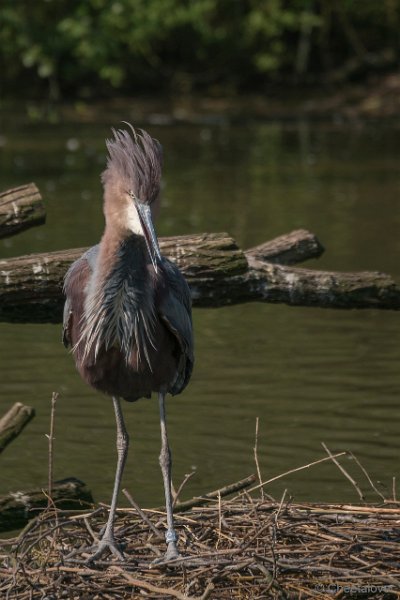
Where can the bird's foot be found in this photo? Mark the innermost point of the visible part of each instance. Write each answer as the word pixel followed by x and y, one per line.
pixel 170 555
pixel 172 551
pixel 106 544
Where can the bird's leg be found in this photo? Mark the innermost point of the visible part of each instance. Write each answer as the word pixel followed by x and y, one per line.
pixel 166 464
pixel 107 541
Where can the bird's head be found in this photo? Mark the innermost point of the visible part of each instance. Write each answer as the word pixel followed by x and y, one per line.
pixel 131 183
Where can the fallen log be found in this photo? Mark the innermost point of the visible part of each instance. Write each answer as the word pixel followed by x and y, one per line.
pixel 218 272
pixel 20 209
pixel 289 249
pixel 17 508
pixel 13 422
pixel 322 289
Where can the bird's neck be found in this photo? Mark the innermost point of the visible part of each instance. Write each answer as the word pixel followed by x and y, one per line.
pixel 123 253
pixel 121 276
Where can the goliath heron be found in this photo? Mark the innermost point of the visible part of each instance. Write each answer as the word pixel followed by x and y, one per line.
pixel 127 315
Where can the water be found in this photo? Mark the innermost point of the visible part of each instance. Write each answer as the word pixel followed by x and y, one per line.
pixel 310 375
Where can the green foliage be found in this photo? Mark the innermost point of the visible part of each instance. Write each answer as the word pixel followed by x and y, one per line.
pixel 99 46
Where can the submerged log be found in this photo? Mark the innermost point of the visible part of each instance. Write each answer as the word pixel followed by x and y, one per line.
pixel 20 209
pixel 218 272
pixel 17 508
pixel 13 422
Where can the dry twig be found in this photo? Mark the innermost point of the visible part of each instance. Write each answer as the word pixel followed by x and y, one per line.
pixel 345 473
pixel 50 437
pixel 255 449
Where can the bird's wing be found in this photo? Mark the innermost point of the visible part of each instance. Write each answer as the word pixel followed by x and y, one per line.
pixel 175 310
pixel 75 282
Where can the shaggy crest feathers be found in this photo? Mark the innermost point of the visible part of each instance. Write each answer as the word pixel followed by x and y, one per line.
pixel 136 160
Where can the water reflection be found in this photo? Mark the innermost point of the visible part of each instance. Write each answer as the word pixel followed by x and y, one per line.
pixel 310 375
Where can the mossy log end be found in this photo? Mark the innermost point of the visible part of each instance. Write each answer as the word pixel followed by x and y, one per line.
pixel 288 249
pixel 20 209
pixel 17 508
pixel 13 422
pixel 218 272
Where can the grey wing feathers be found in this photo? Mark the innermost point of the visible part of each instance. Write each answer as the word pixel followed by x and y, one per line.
pixel 176 312
pixel 71 278
pixel 66 335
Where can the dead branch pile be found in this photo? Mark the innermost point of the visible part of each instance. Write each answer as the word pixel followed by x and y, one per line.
pixel 245 547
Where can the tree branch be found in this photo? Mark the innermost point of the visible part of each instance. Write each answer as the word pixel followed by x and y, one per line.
pixel 222 492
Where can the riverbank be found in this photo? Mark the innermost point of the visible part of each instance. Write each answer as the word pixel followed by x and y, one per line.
pixel 378 98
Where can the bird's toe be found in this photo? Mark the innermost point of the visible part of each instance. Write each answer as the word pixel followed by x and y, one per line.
pixel 91 554
pixel 105 545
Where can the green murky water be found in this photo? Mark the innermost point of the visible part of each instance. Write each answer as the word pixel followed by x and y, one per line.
pixel 310 375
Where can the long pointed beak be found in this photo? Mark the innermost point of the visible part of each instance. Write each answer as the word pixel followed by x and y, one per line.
pixel 150 236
